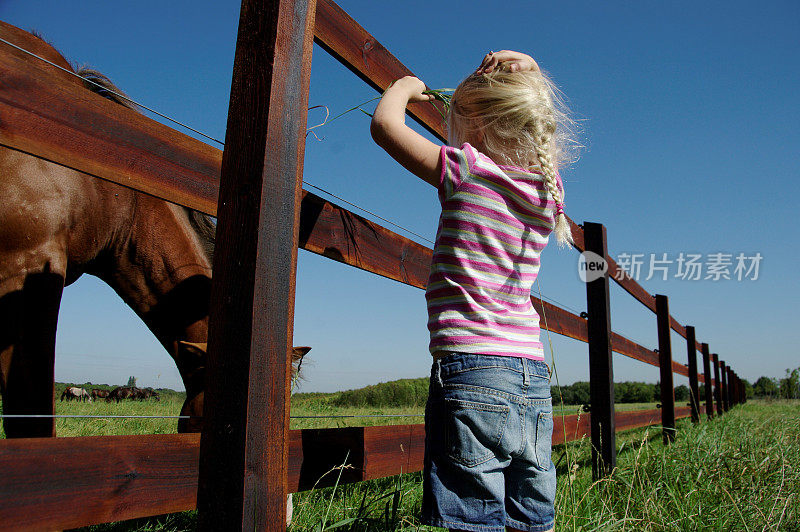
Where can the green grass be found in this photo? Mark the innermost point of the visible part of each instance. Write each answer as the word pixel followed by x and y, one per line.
pixel 737 472
pixel 169 405
pixel 304 406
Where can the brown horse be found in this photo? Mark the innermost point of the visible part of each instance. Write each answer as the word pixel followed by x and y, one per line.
pixel 97 393
pixel 57 224
pixel 123 392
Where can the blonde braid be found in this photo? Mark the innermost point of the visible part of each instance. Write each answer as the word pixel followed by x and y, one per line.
pixel 562 229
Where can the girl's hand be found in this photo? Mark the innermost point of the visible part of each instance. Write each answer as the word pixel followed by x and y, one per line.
pixel 412 88
pixel 507 60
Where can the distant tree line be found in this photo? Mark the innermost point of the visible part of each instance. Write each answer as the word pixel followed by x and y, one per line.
pixel 403 392
pixel 786 388
pixel 414 392
pixel 624 392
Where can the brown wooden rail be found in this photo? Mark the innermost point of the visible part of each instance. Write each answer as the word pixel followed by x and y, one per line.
pixel 58 483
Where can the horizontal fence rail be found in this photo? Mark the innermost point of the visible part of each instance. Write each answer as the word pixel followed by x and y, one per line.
pixel 51 483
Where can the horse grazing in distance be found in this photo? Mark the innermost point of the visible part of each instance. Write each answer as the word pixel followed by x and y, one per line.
pixel 132 393
pixel 99 394
pixel 79 394
pixel 57 224
pixel 123 392
pixel 149 393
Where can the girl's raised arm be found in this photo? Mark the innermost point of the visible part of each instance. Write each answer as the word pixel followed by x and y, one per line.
pixel 417 154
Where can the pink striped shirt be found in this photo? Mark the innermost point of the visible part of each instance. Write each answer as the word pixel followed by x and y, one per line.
pixel 495 222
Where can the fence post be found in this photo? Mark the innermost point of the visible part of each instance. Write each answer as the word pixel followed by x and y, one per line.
pixel 707 384
pixel 694 398
pixel 717 384
pixel 601 371
pixel 742 391
pixel 732 387
pixel 739 388
pixel 243 466
pixel 665 365
pixel 723 369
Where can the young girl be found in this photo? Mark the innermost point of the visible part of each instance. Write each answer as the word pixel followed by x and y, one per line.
pixel 489 415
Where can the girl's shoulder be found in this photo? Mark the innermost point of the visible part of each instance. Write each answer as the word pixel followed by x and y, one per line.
pixel 466 164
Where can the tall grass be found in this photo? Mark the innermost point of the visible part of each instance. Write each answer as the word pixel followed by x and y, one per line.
pixel 310 410
pixel 737 472
pixel 414 393
pixel 169 405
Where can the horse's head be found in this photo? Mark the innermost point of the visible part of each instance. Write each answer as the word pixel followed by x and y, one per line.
pixel 200 349
pixel 187 351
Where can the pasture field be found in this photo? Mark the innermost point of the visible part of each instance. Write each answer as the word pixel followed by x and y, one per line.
pixel 311 405
pixel 738 472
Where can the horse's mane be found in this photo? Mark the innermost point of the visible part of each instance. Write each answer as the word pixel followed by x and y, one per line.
pixel 100 84
pixel 92 79
pixel 206 229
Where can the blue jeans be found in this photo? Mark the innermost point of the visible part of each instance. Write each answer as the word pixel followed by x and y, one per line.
pixel 488 432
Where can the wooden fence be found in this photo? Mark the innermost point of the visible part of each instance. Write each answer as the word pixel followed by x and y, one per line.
pixel 238 472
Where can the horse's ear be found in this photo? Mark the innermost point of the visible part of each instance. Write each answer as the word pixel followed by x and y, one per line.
pixel 300 351
pixel 202 347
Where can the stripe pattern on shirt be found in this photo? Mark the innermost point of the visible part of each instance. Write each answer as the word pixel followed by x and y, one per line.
pixel 494 224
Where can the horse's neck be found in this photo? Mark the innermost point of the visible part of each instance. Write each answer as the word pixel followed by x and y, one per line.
pixel 163 274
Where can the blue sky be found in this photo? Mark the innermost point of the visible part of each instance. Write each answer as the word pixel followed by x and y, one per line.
pixel 689 113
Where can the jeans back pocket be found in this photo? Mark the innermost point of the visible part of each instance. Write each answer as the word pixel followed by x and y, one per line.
pixel 473 430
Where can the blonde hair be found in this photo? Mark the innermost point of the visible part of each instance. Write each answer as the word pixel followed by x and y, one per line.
pixel 519 119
